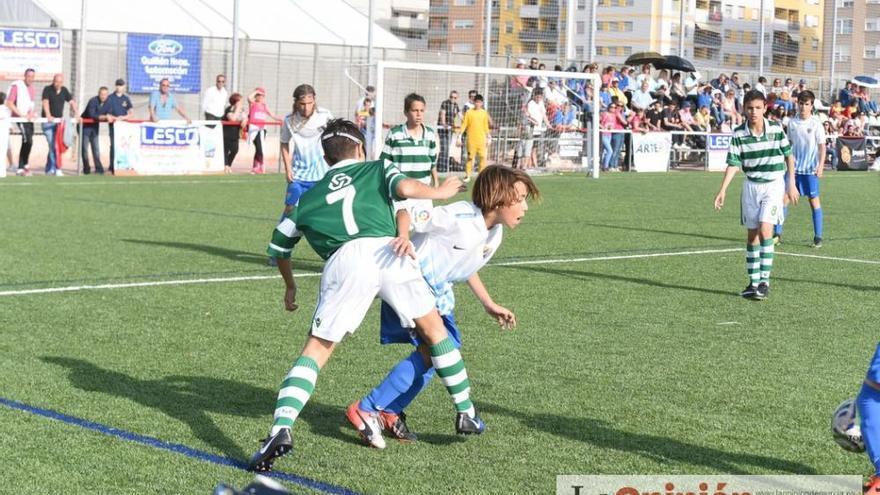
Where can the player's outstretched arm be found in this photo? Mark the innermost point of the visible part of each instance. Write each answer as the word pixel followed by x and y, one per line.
pixel 290 284
pixel 413 189
pixel 505 317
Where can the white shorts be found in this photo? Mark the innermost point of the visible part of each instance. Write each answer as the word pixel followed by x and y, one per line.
pixel 359 271
pixel 762 202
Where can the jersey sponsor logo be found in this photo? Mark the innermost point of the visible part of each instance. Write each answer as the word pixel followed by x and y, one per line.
pixel 169 136
pixel 339 181
pixel 165 47
pixel 422 216
pixel 25 38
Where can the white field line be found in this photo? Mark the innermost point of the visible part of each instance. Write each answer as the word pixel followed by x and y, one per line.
pixel 131 182
pixel 77 288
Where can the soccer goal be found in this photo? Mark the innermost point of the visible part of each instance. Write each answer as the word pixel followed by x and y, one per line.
pixel 566 138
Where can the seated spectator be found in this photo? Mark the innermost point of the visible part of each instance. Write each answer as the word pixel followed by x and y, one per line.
pixel 846 94
pixel 672 122
pixel 655 116
pixel 604 97
pixel 690 124
pixel 692 87
pixel 642 98
pixel 835 113
pixel 729 107
pixel 646 76
pixel 852 128
pixel 662 96
pixel 614 90
pixel 704 120
pixel 721 118
pixel 704 98
pixel 802 86
pixel 677 91
pixel 761 85
pixel 565 119
pixel 607 74
pixel 638 121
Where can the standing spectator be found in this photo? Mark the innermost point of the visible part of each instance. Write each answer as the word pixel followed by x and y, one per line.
pixel 801 87
pixel 476 124
pixel 162 103
pixel 97 109
pixel 762 86
pixel 369 92
pixel 777 86
pixel 535 125
pixel 728 106
pixel 449 111
pixel 677 92
pixel 672 123
pixel 614 90
pixel 258 112
pixel 120 109
pixel 215 98
pixel 21 102
pixel 55 96
pixel 533 63
pixel 612 120
pixel 704 98
pixel 234 112
pixel 467 106
pixel 519 82
pixel 301 151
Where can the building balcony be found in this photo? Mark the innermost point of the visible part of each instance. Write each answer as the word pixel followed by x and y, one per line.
pixel 786 47
pixel 706 37
pixel 438 8
pixel 549 11
pixel 409 24
pixel 530 12
pixel 440 32
pixel 527 35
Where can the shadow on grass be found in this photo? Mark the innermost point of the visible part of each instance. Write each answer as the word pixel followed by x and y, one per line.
pixel 176 210
pixel 190 399
pixel 661 231
pixel 825 283
pixel 231 254
pixel 585 275
pixel 660 449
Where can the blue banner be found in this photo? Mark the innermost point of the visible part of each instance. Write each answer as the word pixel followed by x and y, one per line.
pixel 152 58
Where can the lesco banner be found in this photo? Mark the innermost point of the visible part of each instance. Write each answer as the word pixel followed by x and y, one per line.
pixel 152 58
pixel 651 151
pixel 167 148
pixel 38 49
pixel 717 147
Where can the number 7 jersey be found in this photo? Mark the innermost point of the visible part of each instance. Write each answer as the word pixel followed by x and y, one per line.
pixel 352 201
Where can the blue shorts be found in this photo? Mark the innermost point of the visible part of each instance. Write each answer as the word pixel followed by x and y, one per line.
pixel 807 185
pixel 391 331
pixel 296 189
pixel 874 368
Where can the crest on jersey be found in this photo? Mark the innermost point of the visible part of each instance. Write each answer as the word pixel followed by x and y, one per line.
pixel 422 216
pixel 339 181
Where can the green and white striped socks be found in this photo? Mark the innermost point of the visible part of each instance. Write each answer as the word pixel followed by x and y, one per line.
pixel 766 260
pixel 450 368
pixel 295 391
pixel 753 263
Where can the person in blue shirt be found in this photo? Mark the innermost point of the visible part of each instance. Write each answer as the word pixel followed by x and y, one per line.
pixel 97 109
pixel 120 108
pixel 162 103
pixel 564 119
pixel 868 403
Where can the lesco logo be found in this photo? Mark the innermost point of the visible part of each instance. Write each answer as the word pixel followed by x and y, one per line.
pixel 13 38
pixel 169 136
pixel 164 47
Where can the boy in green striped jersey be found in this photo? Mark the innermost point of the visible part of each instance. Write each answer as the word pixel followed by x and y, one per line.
pixel 347 218
pixel 762 150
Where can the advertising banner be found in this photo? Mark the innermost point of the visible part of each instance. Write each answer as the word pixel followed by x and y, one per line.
pixel 571 144
pixel 651 151
pixel 168 149
pixel 717 147
pixel 851 153
pixel 38 49
pixel 152 58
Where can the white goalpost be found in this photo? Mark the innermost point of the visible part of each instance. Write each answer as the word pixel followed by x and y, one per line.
pixel 567 140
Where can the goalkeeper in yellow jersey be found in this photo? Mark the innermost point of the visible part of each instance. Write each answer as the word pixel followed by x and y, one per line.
pixel 476 124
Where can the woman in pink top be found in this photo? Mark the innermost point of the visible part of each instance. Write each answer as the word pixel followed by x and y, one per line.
pixel 611 142
pixel 257 115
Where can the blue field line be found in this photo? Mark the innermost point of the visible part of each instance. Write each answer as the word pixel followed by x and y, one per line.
pixel 171 447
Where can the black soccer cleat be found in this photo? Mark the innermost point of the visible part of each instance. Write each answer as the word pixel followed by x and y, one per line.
pixel 273 447
pixel 749 292
pixel 466 425
pixel 817 242
pixel 762 291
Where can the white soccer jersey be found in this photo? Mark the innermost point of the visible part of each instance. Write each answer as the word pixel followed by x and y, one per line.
pixel 305 138
pixel 805 137
pixel 452 244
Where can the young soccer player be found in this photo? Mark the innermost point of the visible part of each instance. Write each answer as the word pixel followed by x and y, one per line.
pixel 412 148
pixel 807 136
pixel 868 403
pixel 475 125
pixel 761 149
pixel 452 243
pixel 347 219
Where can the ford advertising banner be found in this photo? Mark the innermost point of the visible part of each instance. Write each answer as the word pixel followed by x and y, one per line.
pixel 168 148
pixel 38 49
pixel 152 58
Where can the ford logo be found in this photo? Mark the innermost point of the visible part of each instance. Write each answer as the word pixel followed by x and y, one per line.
pixel 165 47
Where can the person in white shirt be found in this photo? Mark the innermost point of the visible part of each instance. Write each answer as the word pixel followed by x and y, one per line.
pixel 215 98
pixel 536 123
pixel 642 98
pixel 452 243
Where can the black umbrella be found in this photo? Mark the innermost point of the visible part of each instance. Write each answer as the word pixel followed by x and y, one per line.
pixel 641 58
pixel 674 62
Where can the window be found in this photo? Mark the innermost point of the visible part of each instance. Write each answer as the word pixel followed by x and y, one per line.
pixel 872 24
pixel 843 54
pixel 508 27
pixel 463 47
pixel 845 4
pixel 579 52
pixel 809 66
pixel 815 43
pixel 580 26
pixel 811 20
pixel 728 35
pixel 464 3
pixel 508 49
pixel 728 11
pixel 582 4
pixel 870 52
pixel 740 12
pixel 626 26
pixel 530 47
pixel 844 26
pixel 727 58
pixel 463 24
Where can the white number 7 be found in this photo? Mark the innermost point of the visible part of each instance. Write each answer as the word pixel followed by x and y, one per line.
pixel 346 194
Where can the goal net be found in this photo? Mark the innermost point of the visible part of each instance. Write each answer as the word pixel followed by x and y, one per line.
pixel 542 120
